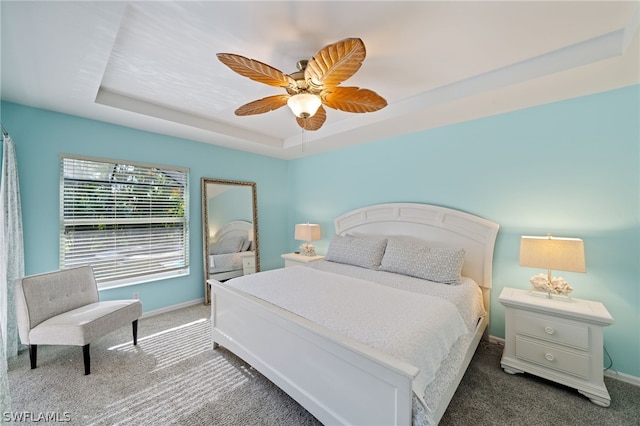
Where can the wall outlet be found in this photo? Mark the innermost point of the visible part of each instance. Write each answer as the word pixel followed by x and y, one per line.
pixel 136 295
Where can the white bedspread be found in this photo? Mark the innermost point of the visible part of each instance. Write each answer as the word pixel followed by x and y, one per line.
pixel 225 262
pixel 466 295
pixel 416 328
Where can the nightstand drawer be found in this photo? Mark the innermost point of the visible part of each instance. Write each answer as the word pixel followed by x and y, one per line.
pixel 552 357
pixel 553 330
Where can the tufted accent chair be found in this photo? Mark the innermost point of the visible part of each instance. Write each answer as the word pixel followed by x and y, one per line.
pixel 63 308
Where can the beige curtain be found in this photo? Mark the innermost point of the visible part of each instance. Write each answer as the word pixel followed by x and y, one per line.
pixel 5 399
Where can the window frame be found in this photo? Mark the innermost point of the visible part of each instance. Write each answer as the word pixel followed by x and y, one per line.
pixel 147 222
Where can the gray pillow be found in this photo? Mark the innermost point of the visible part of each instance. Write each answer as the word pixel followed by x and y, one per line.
pixel 227 245
pixel 357 251
pixel 411 258
pixel 246 243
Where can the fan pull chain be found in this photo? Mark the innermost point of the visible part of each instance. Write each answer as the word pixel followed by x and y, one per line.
pixel 304 139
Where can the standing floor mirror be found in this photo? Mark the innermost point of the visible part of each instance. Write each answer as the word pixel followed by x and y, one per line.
pixel 230 230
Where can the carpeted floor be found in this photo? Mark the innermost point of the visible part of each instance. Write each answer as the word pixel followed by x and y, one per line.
pixel 489 396
pixel 174 377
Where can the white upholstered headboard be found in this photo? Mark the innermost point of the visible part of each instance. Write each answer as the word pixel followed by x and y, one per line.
pixel 438 226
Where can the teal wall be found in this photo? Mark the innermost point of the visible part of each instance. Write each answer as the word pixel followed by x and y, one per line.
pixel 40 137
pixel 570 168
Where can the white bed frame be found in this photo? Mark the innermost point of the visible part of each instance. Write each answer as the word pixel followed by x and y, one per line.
pixel 338 380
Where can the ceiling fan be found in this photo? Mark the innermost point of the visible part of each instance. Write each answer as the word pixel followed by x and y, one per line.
pixel 316 83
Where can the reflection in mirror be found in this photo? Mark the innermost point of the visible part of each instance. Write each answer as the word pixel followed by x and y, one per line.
pixel 230 230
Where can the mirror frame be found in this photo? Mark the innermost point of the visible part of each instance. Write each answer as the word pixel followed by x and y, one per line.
pixel 205 228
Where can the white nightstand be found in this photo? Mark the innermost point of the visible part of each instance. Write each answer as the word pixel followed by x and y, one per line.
pixel 560 340
pixel 291 259
pixel 248 263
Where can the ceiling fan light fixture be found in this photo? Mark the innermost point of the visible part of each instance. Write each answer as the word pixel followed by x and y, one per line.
pixel 304 105
pixel 313 86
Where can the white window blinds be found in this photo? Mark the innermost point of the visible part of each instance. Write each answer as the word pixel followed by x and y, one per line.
pixel 129 221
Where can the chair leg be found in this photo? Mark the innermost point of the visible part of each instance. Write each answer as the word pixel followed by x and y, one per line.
pixel 33 355
pixel 134 325
pixel 87 359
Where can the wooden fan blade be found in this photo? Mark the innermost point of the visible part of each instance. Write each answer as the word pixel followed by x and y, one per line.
pixel 336 62
pixel 263 105
pixel 256 70
pixel 353 99
pixel 314 122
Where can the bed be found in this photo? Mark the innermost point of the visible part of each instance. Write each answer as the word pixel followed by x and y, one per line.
pixel 227 250
pixel 338 375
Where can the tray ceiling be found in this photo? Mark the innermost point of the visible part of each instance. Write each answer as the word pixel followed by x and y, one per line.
pixel 152 65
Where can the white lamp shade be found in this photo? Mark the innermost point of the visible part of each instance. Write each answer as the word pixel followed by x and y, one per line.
pixel 304 105
pixel 560 254
pixel 308 232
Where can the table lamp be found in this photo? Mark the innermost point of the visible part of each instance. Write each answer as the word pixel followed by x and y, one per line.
pixel 307 232
pixel 563 254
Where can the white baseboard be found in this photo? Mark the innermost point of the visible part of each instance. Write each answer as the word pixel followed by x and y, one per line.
pixel 498 340
pixel 172 308
pixel 627 378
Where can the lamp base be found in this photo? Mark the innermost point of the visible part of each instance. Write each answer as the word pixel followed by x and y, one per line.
pixel 307 249
pixel 550 287
pixel 548 295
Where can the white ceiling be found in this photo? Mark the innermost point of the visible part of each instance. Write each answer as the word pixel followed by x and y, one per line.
pixel 152 65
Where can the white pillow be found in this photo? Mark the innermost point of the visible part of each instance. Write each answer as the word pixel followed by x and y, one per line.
pixel 406 257
pixel 357 251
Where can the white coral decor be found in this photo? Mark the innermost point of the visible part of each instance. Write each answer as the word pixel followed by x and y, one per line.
pixel 308 249
pixel 558 285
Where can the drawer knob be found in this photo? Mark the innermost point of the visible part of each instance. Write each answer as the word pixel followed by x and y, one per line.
pixel 548 356
pixel 549 330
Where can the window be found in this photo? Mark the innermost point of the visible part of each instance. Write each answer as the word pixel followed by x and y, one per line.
pixel 129 221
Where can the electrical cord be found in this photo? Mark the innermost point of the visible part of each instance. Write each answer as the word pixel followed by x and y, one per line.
pixel 610 359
